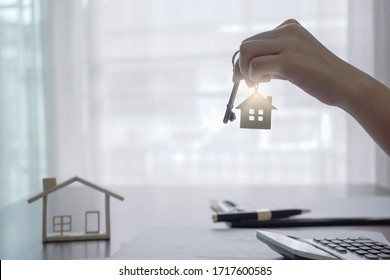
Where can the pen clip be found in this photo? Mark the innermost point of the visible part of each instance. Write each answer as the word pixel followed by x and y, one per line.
pixel 225 206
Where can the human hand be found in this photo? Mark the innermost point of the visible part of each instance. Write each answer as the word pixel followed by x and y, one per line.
pixel 290 52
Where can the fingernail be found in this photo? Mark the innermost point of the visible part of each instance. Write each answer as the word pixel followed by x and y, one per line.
pixel 250 72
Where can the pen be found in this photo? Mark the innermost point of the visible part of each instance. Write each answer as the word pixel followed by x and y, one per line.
pixel 259 215
pixel 311 222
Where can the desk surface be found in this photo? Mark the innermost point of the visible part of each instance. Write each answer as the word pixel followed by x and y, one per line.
pixel 148 207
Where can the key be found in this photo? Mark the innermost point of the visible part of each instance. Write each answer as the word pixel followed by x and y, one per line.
pixel 229 114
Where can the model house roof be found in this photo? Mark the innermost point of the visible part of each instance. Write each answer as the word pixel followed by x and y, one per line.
pixel 68 182
pixel 256 100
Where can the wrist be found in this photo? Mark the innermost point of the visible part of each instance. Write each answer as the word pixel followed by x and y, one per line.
pixel 355 90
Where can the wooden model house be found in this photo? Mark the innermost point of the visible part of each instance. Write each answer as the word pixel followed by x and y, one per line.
pixel 76 223
pixel 256 112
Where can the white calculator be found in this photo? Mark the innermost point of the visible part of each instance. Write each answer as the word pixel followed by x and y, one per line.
pixel 326 248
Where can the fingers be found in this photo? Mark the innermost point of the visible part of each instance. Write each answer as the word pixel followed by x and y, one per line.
pixel 264 35
pixel 259 55
pixel 264 68
pixel 253 49
pixel 261 69
pixel 288 22
pixel 272 34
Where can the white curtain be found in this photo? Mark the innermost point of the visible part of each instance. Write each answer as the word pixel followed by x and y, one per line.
pixel 140 88
pixel 22 130
pixel 361 148
pixel 67 100
pixel 133 93
pixel 382 73
pixel 369 45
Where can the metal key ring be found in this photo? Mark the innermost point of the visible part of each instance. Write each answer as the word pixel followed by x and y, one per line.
pixel 234 58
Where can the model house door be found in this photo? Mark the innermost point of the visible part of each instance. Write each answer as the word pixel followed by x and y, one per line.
pixel 92 222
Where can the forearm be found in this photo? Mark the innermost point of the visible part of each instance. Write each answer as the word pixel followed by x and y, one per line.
pixel 368 102
pixel 290 52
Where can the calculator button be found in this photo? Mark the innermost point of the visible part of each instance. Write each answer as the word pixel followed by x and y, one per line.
pixel 384 256
pixel 352 248
pixel 341 250
pixel 361 246
pixel 361 252
pixel 371 257
pixel 363 240
pixel 375 252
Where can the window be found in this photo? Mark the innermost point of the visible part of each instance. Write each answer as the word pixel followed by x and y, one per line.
pixel 62 224
pixel 22 144
pixel 251 114
pixel 157 78
pixel 136 90
pixel 258 116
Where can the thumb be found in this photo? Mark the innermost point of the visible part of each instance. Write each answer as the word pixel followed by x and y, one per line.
pixel 237 77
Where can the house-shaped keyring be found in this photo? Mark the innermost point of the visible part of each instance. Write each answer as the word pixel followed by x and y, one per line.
pixel 256 112
pixel 62 225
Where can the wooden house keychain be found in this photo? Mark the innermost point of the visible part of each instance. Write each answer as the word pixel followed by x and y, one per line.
pixel 255 110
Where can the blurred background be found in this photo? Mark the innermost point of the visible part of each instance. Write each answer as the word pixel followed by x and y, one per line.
pixel 132 94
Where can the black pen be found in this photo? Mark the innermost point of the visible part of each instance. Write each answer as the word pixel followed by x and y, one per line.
pixel 259 215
